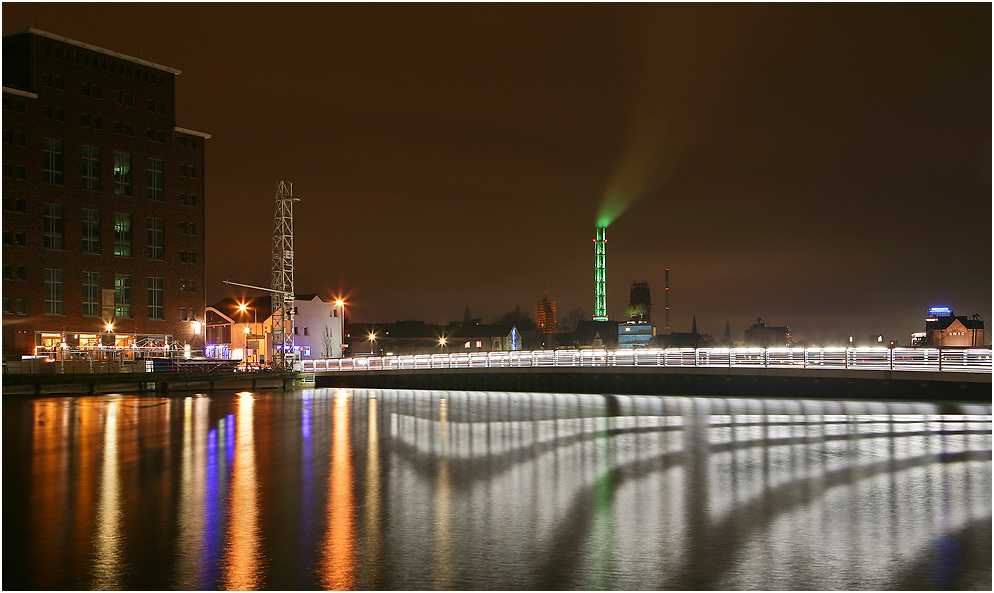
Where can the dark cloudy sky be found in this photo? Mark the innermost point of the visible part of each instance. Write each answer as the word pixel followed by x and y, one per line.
pixel 827 167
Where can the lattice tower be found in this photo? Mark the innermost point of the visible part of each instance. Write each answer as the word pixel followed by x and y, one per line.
pixel 283 352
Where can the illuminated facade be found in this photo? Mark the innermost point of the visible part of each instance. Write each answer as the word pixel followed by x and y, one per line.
pixel 545 313
pixel 103 198
pixel 243 329
pixel 600 275
pixel 943 329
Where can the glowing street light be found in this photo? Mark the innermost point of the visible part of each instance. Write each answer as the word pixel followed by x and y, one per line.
pixel 372 340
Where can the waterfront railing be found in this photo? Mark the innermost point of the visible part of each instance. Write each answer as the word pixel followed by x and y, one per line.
pixel 959 360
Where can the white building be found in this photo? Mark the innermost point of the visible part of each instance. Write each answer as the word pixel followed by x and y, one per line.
pixel 243 329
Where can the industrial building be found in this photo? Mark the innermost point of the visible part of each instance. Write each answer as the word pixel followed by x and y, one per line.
pixel 944 329
pixel 103 197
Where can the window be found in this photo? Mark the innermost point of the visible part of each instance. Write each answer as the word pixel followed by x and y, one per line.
pixel 122 234
pixel 182 313
pixel 193 257
pixel 53 292
pixel 8 272
pixel 182 170
pixel 15 138
pixel 182 228
pixel 91 231
pixel 54 227
pixel 193 171
pixel 122 173
pixel 156 177
pixel 8 307
pixel 182 257
pixel 52 166
pixel 91 294
pixel 150 104
pixel 155 310
pixel 156 233
pixel 95 92
pixel 193 143
pixel 306 333
pixel 91 168
pixel 193 199
pixel 122 295
pixel 22 274
pixel 193 228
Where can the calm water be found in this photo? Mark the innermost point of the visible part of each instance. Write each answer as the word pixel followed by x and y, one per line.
pixel 373 489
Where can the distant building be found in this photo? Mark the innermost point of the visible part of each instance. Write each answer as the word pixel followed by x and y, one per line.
pixel 944 329
pixel 545 313
pixel 486 338
pixel 635 335
pixel 103 199
pixel 400 338
pixel 767 336
pixel 640 304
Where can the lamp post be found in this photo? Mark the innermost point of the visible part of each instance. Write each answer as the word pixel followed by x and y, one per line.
pixel 372 341
pixel 242 307
pixel 341 319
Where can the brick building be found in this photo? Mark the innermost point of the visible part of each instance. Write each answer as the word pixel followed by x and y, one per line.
pixel 103 202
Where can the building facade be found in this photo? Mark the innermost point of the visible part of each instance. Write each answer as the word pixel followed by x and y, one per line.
pixel 103 198
pixel 944 329
pixel 243 329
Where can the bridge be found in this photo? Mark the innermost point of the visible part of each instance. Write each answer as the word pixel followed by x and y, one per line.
pixel 835 373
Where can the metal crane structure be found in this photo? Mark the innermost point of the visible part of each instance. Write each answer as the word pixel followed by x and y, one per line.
pixel 284 353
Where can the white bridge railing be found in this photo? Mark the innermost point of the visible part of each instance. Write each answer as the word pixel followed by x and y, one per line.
pixel 973 360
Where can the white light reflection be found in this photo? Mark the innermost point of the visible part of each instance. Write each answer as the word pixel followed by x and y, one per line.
pixel 190 541
pixel 108 544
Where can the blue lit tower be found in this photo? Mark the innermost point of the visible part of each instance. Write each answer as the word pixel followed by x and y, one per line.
pixel 600 275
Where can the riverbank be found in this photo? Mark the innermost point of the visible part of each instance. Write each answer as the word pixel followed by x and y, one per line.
pixel 87 384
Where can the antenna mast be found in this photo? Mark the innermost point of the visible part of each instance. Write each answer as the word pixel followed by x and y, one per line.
pixel 283 351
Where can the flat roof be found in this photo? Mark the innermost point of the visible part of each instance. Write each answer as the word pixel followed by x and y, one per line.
pixel 108 52
pixel 204 135
pixel 7 89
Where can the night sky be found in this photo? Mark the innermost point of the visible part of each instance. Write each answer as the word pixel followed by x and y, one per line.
pixel 825 167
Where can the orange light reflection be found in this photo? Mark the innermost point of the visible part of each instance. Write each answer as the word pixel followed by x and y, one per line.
pixel 338 562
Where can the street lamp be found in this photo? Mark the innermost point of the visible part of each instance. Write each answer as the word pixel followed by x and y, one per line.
pixel 242 307
pixel 372 341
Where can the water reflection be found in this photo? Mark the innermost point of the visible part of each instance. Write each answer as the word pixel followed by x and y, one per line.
pixel 338 561
pixel 243 568
pixel 467 490
pixel 107 557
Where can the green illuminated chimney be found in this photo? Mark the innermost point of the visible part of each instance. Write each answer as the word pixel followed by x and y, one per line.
pixel 600 275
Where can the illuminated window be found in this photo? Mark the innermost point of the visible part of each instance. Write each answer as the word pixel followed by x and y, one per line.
pixel 155 309
pixel 91 294
pixel 122 295
pixel 122 234
pixel 91 231
pixel 122 173
pixel 53 292
pixel 54 232
pixel 91 167
pixel 53 166
pixel 156 180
